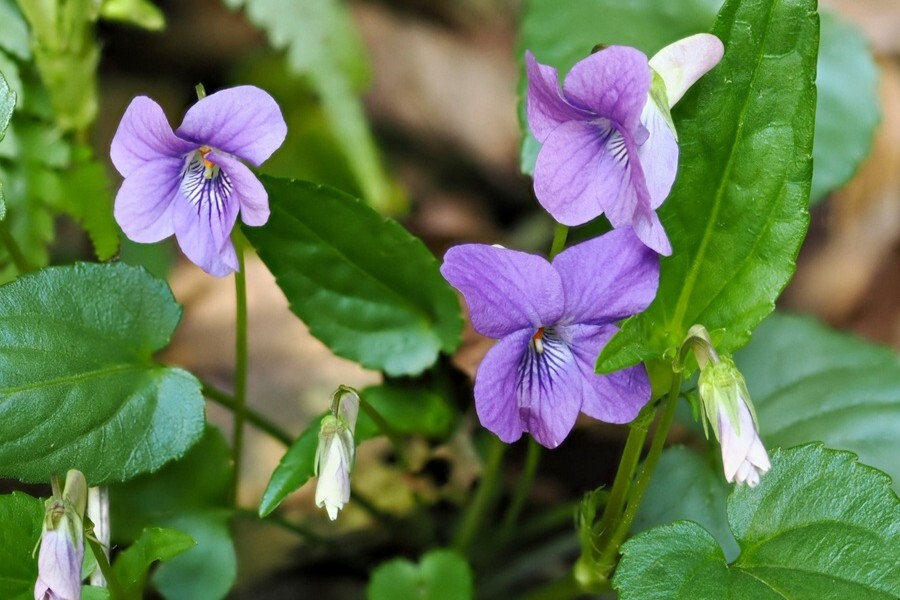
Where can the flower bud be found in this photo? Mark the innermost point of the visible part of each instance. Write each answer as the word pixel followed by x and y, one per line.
pixel 336 451
pixel 727 404
pixel 62 542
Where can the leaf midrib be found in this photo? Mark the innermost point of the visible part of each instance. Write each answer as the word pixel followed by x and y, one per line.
pixel 694 271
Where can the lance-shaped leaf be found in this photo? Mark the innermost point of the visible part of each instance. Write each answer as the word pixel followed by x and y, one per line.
pixel 819 525
pixel 739 209
pixel 79 388
pixel 365 287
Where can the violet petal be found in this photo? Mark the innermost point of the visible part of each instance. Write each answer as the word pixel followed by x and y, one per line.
pixel 682 63
pixel 614 398
pixel 244 121
pixel 613 83
pixel 550 389
pixel 495 386
pixel 144 134
pixel 254 199
pixel 658 154
pixel 143 207
pixel 203 228
pixel 545 106
pixel 59 566
pixel 607 278
pixel 506 290
pixel 583 170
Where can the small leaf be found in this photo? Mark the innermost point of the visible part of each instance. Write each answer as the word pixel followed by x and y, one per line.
pixel 141 13
pixel 14 36
pixel 737 215
pixel 819 525
pixel 155 544
pixel 88 198
pixel 442 575
pixel 22 517
pixel 80 389
pixel 365 287
pixel 208 570
pixel 7 104
pixel 409 410
pixel 810 383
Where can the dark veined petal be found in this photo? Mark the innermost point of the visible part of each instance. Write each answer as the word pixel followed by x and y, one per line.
pixel 204 215
pixel 545 106
pixel 244 121
pixel 614 398
pixel 144 135
pixel 658 155
pixel 251 194
pixel 549 388
pixel 143 207
pixel 583 169
pixel 612 83
pixel 607 278
pixel 505 290
pixel 496 384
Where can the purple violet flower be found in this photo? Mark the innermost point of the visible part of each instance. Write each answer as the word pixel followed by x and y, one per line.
pixel 552 320
pixel 607 145
pixel 190 183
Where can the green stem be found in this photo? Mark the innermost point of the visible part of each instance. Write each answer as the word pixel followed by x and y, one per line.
pixel 523 488
pixel 15 253
pixel 624 475
pixel 254 418
pixel 560 233
pixel 484 495
pixel 610 551
pixel 240 363
pixel 115 589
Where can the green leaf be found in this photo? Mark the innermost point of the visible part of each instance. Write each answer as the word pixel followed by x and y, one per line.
pixel 323 45
pixel 848 110
pixel 22 517
pixel 409 410
pixel 14 37
pixel 80 388
pixel 442 575
pixel 365 287
pixel 189 495
pixel 819 525
pixel 810 383
pixel 687 485
pixel 155 544
pixel 737 214
pixel 88 198
pixel 208 570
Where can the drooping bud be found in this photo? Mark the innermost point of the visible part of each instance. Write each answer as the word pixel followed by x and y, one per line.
pixel 336 451
pixel 62 541
pixel 729 411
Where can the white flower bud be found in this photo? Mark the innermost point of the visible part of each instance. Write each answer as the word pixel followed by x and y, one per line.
pixel 336 452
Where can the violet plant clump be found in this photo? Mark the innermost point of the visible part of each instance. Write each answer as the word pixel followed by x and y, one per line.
pixel 191 182
pixel 552 320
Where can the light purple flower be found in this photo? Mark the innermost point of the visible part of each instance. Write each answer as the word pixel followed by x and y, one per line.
pixel 190 183
pixel 552 320
pixel 607 146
